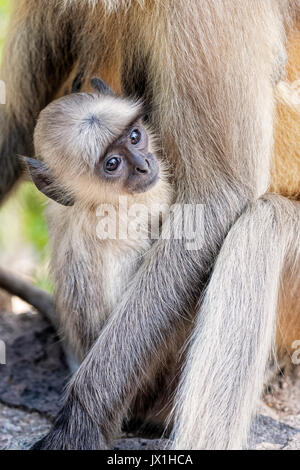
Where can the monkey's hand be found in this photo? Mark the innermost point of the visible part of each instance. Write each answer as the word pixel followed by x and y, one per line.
pixel 73 430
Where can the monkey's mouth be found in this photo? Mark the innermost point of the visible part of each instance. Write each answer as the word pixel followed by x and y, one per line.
pixel 142 184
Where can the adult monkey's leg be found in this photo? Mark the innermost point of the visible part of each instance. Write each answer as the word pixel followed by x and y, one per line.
pixel 38 55
pixel 236 329
pixel 210 68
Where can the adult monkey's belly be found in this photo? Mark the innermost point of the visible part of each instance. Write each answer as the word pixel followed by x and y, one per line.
pixel 285 180
pixel 285 174
pixel 285 177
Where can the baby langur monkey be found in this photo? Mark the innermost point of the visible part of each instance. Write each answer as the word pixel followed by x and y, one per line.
pixel 93 148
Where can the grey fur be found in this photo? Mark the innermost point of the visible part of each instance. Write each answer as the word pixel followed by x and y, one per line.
pixel 211 99
pixel 30 87
pixel 234 336
pixel 90 274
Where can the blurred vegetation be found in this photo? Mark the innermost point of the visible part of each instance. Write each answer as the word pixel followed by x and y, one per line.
pixel 23 229
pixel 5 9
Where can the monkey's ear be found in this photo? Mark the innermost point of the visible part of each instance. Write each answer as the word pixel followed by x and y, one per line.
pixel 101 87
pixel 77 83
pixel 44 181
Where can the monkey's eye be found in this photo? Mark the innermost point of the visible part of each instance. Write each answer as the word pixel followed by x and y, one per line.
pixel 135 137
pixel 112 164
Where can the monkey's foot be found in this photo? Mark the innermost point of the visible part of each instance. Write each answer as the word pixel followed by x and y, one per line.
pixel 73 430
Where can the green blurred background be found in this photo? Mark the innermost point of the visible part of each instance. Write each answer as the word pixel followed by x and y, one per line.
pixel 5 8
pixel 23 229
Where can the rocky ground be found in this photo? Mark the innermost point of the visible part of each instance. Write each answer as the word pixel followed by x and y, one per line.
pixel 35 373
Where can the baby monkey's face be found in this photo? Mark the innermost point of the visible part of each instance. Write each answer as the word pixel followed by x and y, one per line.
pixel 93 147
pixel 128 161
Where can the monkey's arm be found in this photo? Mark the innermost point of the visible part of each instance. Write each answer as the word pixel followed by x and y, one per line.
pixel 39 299
pixel 37 56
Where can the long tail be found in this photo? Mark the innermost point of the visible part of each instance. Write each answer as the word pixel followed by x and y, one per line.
pixel 234 336
pixel 39 299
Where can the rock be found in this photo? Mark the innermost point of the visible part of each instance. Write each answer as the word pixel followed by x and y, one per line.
pixel 35 372
pixel 32 381
pixel 19 429
pixel 140 444
pixel 268 433
pixel 293 443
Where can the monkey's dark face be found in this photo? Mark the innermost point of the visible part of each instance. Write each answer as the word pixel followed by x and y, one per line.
pixel 129 163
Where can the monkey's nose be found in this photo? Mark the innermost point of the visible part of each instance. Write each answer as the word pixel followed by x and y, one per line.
pixel 143 166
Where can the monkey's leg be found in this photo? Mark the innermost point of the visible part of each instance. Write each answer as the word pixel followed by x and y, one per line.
pixel 150 412
pixel 37 56
pixel 236 328
pixel 213 96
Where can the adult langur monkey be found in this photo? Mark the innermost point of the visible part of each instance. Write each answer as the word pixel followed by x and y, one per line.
pixel 208 71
